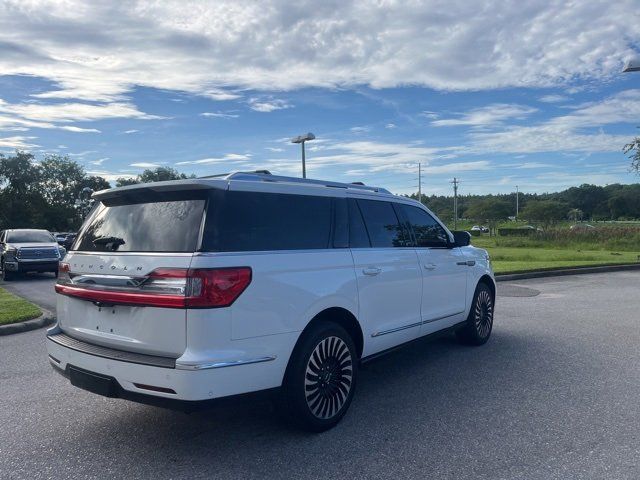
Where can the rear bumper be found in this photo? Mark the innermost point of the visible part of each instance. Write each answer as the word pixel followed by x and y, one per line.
pixel 174 383
pixel 110 387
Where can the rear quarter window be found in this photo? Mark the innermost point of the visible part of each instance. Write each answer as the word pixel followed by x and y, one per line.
pixel 256 221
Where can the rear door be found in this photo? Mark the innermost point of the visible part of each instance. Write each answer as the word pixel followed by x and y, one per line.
pixel 388 275
pixel 444 274
pixel 136 244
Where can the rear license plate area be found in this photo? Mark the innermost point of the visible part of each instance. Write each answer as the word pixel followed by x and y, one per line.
pixel 93 382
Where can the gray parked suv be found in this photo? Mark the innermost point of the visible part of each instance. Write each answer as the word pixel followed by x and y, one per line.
pixel 28 251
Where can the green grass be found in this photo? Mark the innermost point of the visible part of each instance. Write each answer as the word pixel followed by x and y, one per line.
pixel 507 259
pixel 14 309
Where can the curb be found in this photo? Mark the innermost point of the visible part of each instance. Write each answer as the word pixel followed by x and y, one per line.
pixel 567 271
pixel 44 320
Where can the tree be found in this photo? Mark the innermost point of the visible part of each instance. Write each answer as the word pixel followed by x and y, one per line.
pixel 94 183
pixel 19 194
pixel 633 150
pixel 575 214
pixel 124 181
pixel 544 212
pixel 591 199
pixel 160 174
pixel 490 210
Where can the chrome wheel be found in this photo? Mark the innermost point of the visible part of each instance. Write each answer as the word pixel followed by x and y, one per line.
pixel 328 377
pixel 483 313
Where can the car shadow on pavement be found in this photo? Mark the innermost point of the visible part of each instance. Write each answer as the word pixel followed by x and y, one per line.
pixel 435 391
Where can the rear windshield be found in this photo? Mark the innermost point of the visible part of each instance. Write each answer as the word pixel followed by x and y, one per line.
pixel 158 226
pixel 30 237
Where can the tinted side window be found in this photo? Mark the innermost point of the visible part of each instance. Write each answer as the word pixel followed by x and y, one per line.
pixel 382 225
pixel 358 237
pixel 256 221
pixel 427 231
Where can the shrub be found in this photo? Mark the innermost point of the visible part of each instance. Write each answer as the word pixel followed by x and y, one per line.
pixel 515 232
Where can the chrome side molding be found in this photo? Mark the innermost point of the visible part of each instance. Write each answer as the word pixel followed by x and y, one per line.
pixel 417 324
pixel 228 363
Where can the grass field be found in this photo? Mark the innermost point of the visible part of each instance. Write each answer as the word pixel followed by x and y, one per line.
pixel 506 259
pixel 14 309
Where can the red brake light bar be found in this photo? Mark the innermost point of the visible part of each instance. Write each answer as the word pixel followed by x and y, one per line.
pixel 203 288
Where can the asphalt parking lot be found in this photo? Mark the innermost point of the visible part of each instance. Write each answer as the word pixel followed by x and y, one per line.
pixel 553 395
pixel 36 287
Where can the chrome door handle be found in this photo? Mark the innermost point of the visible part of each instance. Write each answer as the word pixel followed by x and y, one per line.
pixel 430 266
pixel 371 271
pixel 468 263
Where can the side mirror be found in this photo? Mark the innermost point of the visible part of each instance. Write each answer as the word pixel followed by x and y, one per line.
pixel 461 238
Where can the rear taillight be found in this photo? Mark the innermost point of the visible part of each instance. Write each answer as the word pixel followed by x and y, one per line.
pixel 167 287
pixel 63 272
pixel 217 287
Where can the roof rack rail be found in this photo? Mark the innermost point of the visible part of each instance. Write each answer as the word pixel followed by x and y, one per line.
pixel 266 176
pixel 221 175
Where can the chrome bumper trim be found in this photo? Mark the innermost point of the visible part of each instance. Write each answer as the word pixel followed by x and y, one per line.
pixel 111 353
pixel 229 363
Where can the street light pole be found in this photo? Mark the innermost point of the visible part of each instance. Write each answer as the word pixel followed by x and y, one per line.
pixel 632 65
pixel 301 139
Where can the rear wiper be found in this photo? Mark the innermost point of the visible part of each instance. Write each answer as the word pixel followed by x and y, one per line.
pixel 114 241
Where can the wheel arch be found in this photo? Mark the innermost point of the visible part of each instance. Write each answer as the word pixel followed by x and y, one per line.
pixel 486 279
pixel 342 317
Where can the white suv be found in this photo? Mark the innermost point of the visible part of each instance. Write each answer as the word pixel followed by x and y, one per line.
pixel 178 293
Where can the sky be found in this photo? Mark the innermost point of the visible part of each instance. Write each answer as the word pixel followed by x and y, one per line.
pixel 494 93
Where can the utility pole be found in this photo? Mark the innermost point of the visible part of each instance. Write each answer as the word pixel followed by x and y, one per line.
pixel 420 182
pixel 455 202
pixel 517 202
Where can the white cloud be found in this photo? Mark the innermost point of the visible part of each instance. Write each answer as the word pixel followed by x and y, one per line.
pixel 81 154
pixel 358 130
pixel 18 142
pixel 268 104
pixel 99 162
pixel 457 167
pixel 533 165
pixel 133 130
pixel 146 165
pixel 578 131
pixel 364 157
pixel 57 115
pixel 203 49
pixel 219 115
pixel 110 176
pixel 390 125
pixel 230 157
pixel 274 149
pixel 553 98
pixel 69 128
pixel 487 116
pixel 430 115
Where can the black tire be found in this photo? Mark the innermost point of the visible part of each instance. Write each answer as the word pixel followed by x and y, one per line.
pixel 55 273
pixel 477 329
pixel 6 276
pixel 320 380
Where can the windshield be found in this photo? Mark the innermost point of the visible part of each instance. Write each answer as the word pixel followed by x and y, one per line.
pixel 163 226
pixel 30 237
